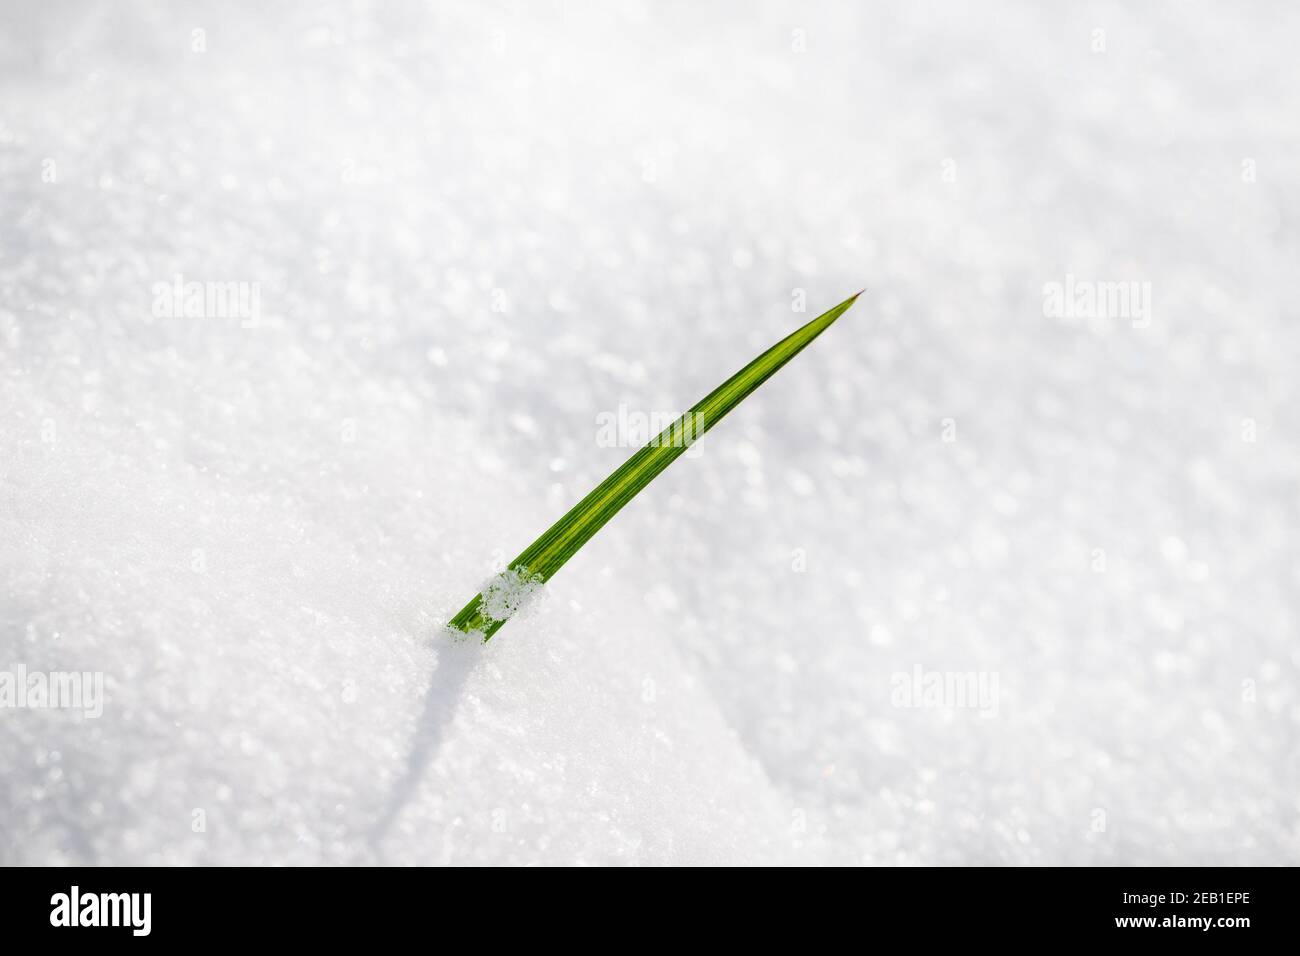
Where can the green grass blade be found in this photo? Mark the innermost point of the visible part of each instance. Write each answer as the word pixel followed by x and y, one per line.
pixel 541 559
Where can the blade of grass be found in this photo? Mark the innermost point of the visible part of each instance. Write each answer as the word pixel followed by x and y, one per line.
pixel 540 560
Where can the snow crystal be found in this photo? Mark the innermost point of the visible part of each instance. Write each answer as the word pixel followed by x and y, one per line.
pixel 510 592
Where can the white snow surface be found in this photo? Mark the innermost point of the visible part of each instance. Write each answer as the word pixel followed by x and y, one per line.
pixel 475 227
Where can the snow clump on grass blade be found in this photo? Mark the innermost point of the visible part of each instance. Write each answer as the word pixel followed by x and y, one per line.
pixel 510 592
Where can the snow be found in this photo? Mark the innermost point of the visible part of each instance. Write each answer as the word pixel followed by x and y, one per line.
pixel 509 593
pixel 458 236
